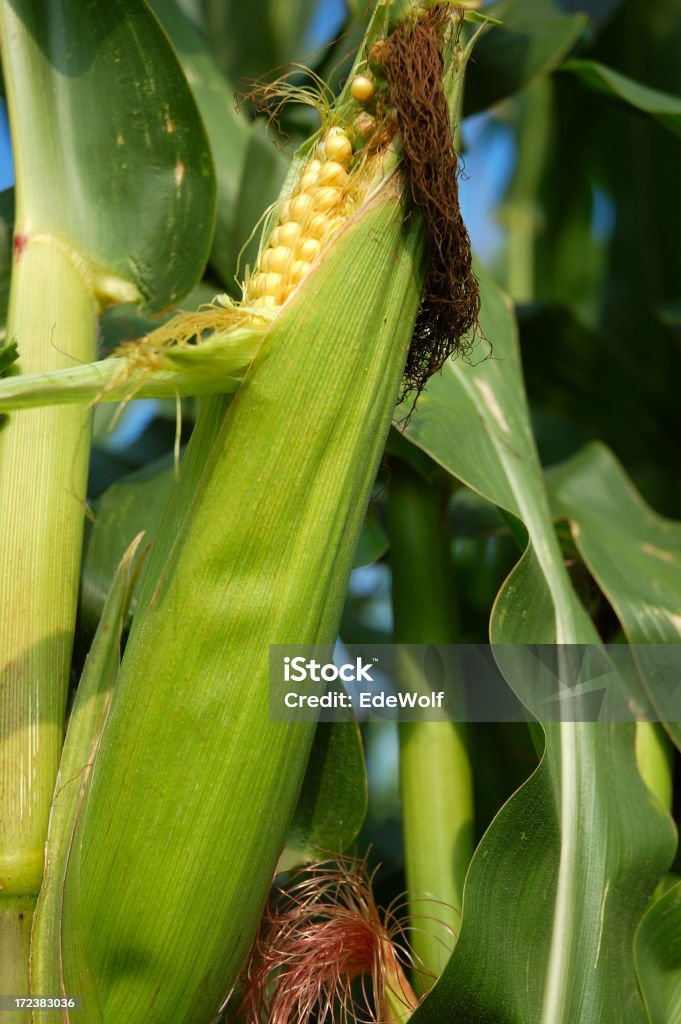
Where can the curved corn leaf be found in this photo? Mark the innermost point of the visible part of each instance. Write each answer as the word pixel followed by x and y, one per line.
pixel 373 541
pixel 583 831
pixel 658 958
pixel 661 105
pixel 112 159
pixel 132 505
pixel 633 554
pixel 228 131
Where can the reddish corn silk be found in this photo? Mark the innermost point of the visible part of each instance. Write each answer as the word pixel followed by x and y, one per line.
pixel 325 952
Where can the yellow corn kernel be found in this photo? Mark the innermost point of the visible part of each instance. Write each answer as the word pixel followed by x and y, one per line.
pixel 275 237
pixel 325 199
pixel 337 146
pixel 308 249
pixel 256 286
pixel 318 226
pixel 272 284
pixel 333 173
pixel 333 224
pixel 299 271
pixel 362 89
pixel 310 174
pixel 264 302
pixel 301 207
pixel 277 259
pixel 285 213
pixel 288 234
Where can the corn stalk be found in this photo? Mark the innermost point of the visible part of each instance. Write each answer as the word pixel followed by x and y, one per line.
pixel 73 255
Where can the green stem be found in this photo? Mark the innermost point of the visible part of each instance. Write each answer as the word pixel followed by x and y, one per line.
pixel 43 470
pixel 435 772
pixel 520 213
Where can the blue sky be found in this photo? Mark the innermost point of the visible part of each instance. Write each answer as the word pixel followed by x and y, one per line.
pixel 6 165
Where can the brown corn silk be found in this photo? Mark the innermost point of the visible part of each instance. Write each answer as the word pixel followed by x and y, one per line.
pixel 413 63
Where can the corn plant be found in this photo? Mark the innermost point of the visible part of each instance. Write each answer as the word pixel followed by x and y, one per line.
pixel 169 852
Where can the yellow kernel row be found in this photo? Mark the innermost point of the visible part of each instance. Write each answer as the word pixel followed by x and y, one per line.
pixel 305 222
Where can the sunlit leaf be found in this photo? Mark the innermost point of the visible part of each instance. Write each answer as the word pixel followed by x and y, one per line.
pixel 108 138
pixel 228 131
pixel 664 108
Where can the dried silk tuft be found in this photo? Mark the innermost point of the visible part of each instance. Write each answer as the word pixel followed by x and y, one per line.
pixel 413 63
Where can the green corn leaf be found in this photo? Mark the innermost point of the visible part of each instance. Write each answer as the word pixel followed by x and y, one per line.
pixel 244 53
pixel 132 505
pixel 658 958
pixel 532 40
pixel 633 554
pixel 661 105
pixel 583 831
pixel 80 746
pixel 8 355
pixel 373 541
pixel 100 108
pixel 228 131
pixel 333 798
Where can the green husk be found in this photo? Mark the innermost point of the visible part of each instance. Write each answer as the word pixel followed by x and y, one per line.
pixel 217 365
pixel 192 780
pixel 82 738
